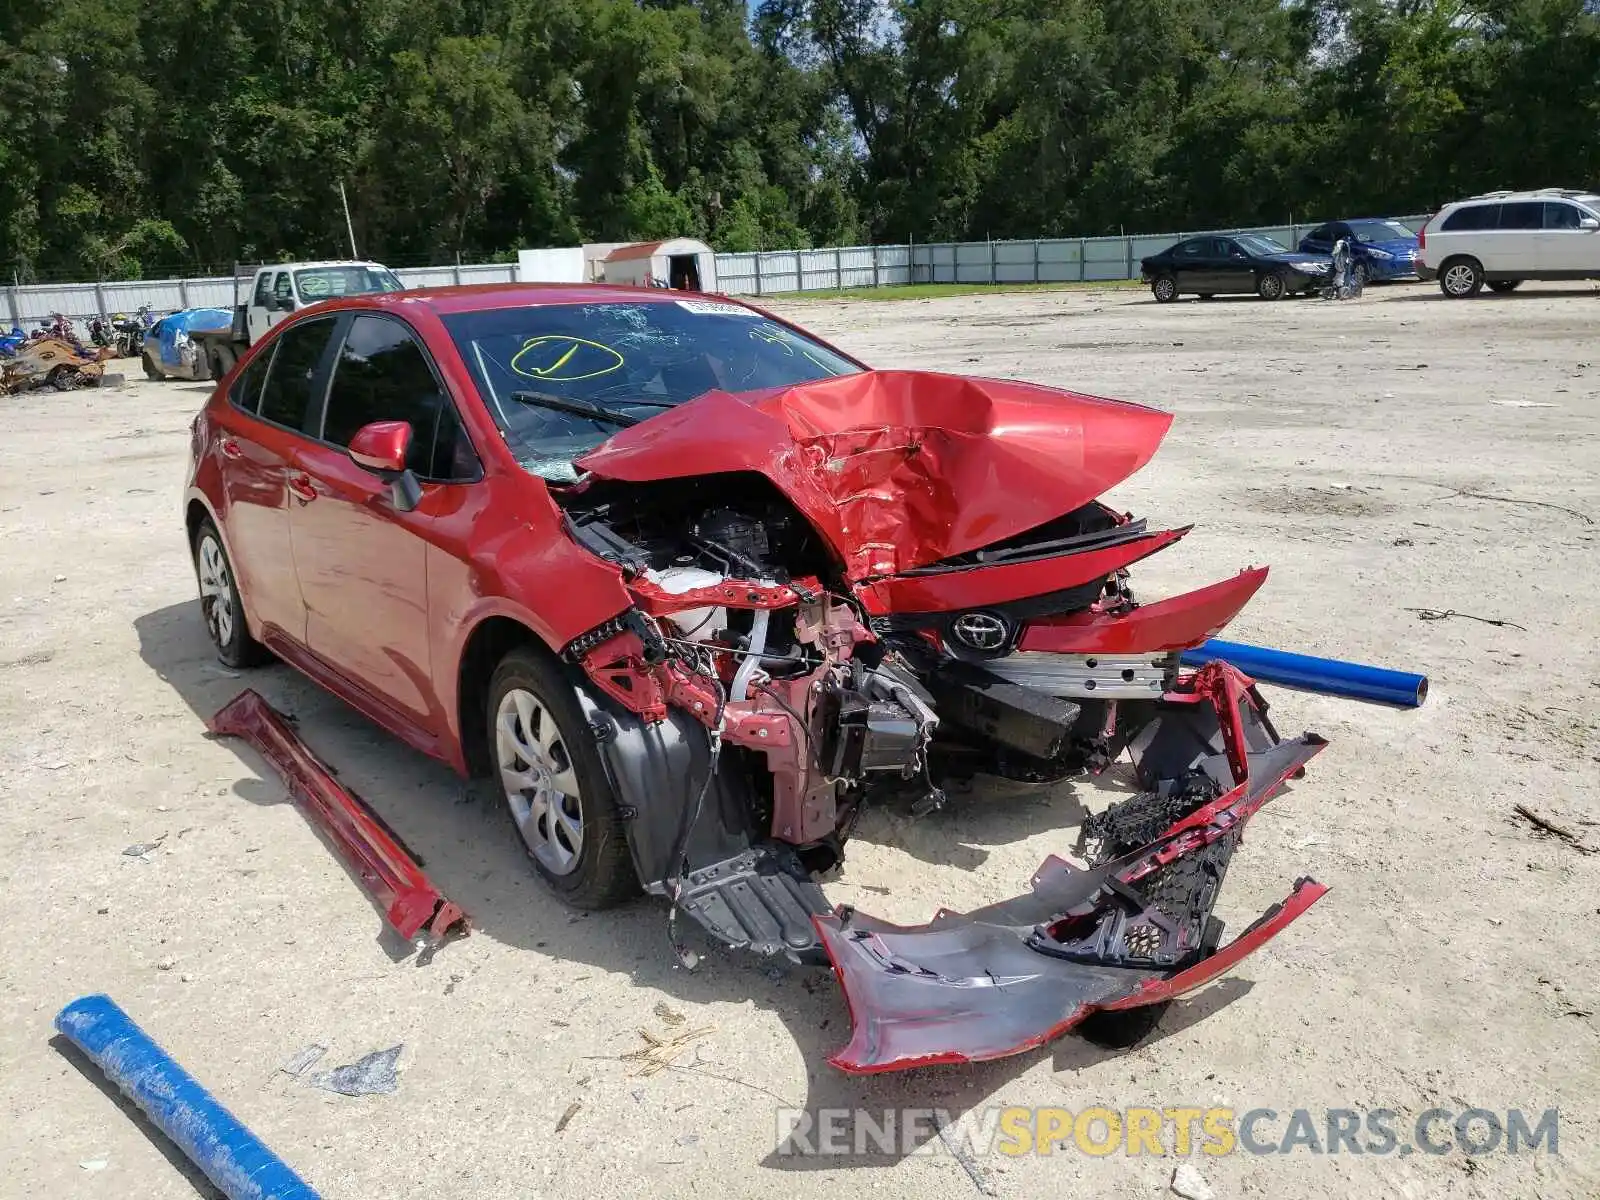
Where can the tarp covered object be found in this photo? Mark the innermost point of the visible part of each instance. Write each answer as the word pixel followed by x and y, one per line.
pixel 175 330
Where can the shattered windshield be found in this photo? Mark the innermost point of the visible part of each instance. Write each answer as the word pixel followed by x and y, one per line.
pixel 554 375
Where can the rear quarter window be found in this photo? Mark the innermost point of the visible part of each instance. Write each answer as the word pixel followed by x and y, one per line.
pixel 246 390
pixel 1472 217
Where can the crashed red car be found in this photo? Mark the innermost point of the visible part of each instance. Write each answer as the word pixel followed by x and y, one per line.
pixel 698 588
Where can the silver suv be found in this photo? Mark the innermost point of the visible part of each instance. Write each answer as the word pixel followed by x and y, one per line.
pixel 1503 238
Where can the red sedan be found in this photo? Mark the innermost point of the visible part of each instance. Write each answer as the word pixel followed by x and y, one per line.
pixel 697 588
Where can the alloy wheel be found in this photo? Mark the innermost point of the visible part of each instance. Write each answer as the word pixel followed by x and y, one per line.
pixel 1458 280
pixel 216 591
pixel 540 784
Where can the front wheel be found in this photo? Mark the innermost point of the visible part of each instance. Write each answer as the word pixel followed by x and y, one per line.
pixel 1271 286
pixel 555 788
pixel 1164 289
pixel 151 371
pixel 1461 278
pixel 1504 287
pixel 220 603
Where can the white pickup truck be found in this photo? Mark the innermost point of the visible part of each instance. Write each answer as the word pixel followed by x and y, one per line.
pixel 264 295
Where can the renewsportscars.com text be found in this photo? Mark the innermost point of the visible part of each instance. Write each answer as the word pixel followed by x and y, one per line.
pixel 1177 1130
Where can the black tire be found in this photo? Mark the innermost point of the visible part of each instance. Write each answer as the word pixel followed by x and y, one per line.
pixel 1461 278
pixel 1164 288
pixel 230 632
pixel 1360 275
pixel 1272 286
pixel 1504 287
pixel 602 875
pixel 151 371
pixel 222 360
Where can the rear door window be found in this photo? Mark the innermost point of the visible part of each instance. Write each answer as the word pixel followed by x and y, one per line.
pixel 383 374
pixel 1522 214
pixel 263 289
pixel 1198 248
pixel 283 290
pixel 1472 218
pixel 296 363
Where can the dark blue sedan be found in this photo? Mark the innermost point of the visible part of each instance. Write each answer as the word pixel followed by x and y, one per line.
pixel 1384 248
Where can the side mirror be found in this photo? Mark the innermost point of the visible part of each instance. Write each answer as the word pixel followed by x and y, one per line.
pixel 1589 223
pixel 381 448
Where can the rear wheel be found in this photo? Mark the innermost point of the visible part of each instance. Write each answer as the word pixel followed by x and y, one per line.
pixel 555 788
pixel 220 604
pixel 1461 278
pixel 1504 287
pixel 1164 289
pixel 1271 286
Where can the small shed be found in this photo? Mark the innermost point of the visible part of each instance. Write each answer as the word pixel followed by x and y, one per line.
pixel 682 263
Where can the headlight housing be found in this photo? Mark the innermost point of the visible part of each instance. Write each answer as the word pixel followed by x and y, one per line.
pixel 1380 254
pixel 1311 268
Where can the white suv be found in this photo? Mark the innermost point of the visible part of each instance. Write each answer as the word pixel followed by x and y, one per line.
pixel 1502 238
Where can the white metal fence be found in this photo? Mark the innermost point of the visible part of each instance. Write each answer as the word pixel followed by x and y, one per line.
pixel 1041 260
pixel 22 305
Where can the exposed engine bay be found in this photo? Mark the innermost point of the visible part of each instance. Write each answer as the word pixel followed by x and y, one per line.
pixel 811 634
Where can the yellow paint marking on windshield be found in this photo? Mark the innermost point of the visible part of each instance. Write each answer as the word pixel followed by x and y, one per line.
pixel 578 358
pixel 773 336
pixel 559 363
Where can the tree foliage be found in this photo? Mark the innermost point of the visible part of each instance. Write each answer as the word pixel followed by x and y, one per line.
pixel 138 136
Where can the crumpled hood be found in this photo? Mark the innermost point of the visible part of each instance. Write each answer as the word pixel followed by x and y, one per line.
pixel 899 469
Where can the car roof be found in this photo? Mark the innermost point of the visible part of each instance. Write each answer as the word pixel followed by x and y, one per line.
pixel 475 297
pixel 1579 194
pixel 321 262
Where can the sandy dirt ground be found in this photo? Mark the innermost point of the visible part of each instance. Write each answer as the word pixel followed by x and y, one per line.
pixel 1395 453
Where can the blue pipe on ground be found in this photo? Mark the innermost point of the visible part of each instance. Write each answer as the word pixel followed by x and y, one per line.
pixel 1327 675
pixel 231 1156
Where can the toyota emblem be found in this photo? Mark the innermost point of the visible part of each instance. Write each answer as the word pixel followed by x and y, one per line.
pixel 981 631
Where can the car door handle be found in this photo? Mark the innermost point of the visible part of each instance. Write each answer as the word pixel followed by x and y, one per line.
pixel 231 449
pixel 301 487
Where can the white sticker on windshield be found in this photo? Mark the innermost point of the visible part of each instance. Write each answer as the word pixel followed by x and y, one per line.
pixel 718 308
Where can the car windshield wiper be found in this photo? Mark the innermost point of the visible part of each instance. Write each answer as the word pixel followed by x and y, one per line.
pixel 580 408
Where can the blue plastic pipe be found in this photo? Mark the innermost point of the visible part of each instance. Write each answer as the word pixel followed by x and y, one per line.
pixel 230 1155
pixel 1329 676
